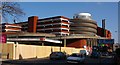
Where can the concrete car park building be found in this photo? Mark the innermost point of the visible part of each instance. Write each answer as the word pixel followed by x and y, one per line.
pixel 58 25
pixel 81 30
pixel 78 32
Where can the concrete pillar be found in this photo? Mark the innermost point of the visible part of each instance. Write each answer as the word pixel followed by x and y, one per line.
pixel 64 42
pixel 92 40
pixel 87 43
pixel 16 50
pixel 42 44
pixel 95 42
pixel 91 43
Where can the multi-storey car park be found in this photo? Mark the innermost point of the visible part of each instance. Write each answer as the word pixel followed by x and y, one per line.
pixel 11 28
pixel 31 37
pixel 77 32
pixel 58 25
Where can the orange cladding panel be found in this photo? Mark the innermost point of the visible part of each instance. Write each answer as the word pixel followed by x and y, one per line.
pixel 78 43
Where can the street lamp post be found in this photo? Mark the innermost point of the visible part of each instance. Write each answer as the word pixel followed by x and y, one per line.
pixel 115 35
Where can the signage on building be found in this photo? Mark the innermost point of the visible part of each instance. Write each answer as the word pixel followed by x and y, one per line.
pixel 3 38
pixel 105 41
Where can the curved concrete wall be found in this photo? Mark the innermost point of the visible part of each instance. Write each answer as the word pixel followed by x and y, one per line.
pixel 84 25
pixel 81 26
pixel 84 29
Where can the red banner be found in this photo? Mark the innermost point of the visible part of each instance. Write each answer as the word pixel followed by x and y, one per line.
pixel 42 39
pixel 3 38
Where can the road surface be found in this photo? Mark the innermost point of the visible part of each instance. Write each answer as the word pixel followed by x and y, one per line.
pixel 47 61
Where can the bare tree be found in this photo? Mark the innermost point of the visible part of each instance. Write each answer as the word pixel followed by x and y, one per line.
pixel 11 10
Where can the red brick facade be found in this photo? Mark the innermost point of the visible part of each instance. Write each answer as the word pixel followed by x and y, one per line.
pixel 100 32
pixel 32 24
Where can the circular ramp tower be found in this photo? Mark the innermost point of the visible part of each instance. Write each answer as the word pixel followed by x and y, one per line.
pixel 83 24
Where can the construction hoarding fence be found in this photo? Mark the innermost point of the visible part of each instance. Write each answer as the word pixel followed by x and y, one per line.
pixel 22 51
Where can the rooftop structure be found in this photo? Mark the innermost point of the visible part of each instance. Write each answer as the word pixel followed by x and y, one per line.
pixel 83 16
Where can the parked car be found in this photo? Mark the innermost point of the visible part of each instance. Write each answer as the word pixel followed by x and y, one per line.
pixel 76 58
pixel 84 52
pixel 57 55
pixel 95 54
pixel 104 54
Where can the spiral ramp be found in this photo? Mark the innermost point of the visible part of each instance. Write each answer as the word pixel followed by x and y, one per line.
pixel 82 26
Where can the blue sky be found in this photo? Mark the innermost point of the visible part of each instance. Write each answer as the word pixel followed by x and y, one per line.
pixel 99 11
pixel 60 0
